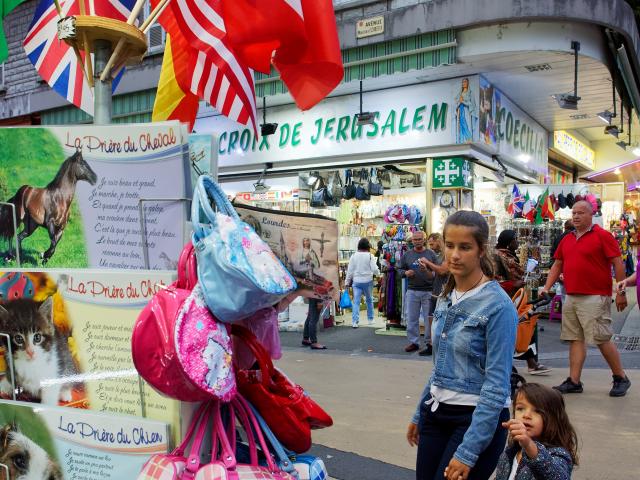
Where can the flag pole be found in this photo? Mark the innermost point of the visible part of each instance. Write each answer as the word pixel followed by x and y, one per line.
pixel 102 89
pixel 154 15
pixel 135 11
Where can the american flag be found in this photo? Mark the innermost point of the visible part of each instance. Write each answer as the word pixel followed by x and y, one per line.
pixel 218 77
pixel 55 60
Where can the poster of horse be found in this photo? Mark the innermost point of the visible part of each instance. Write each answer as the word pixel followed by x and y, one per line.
pixel 73 196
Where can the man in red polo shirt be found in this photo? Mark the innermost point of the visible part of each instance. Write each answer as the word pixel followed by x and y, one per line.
pixel 585 257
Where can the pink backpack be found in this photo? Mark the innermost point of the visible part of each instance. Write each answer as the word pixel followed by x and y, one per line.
pixel 153 345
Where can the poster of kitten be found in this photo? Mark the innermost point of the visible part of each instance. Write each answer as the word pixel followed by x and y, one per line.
pixel 40 351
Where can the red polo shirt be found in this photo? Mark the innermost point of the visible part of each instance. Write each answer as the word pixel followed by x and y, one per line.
pixel 586 261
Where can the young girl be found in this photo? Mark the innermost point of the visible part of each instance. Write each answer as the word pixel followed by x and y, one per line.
pixel 543 443
pixel 457 424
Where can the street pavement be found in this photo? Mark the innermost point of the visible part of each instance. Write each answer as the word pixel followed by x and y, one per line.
pixel 371 387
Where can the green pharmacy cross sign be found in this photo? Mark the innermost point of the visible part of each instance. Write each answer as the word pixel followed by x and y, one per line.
pixel 452 172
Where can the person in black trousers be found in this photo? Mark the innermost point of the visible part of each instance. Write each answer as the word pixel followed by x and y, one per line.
pixel 310 334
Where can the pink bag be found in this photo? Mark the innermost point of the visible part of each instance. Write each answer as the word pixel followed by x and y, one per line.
pixel 204 348
pixel 153 345
pixel 264 325
pixel 172 466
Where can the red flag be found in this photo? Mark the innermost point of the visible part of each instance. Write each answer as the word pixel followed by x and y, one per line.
pixel 319 70
pixel 214 73
pixel 275 25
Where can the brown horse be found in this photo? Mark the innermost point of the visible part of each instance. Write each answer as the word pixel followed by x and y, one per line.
pixel 47 207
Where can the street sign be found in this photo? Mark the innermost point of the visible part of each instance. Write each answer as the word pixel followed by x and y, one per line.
pixel 452 172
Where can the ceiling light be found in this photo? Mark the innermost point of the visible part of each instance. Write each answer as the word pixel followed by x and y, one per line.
pixel 612 130
pixel 569 101
pixel 566 100
pixel 617 171
pixel 636 151
pixel 365 118
pixel 267 129
pixel 606 116
pixel 524 158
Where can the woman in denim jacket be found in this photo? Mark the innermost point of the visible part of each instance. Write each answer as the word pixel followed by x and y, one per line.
pixel 457 425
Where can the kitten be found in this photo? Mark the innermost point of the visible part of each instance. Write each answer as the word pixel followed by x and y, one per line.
pixel 40 351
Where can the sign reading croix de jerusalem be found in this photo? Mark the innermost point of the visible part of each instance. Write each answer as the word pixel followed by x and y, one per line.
pixel 412 117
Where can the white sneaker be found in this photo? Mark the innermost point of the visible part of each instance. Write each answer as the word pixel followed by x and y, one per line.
pixel 355 325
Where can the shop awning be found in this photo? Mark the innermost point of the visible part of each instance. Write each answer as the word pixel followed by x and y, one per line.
pixel 627 172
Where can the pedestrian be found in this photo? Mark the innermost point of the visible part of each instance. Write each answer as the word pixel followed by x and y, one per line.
pixel 568 228
pixel 457 424
pixel 585 258
pixel 310 333
pixel 631 281
pixel 543 443
pixel 439 267
pixel 420 286
pixel 360 272
pixel 510 274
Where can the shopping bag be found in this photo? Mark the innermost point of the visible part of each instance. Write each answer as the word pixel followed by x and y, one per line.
pixel 237 270
pixel 345 300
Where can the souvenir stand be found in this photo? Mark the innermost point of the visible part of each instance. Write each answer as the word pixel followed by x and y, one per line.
pixel 143 344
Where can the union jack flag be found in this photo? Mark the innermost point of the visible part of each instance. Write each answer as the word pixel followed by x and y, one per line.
pixel 55 60
pixel 516 204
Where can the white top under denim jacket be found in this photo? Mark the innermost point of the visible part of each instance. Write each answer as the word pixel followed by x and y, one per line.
pixel 362 268
pixel 473 343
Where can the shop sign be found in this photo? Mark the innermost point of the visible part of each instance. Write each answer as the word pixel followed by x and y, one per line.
pixel 574 149
pixel 410 117
pixel 452 172
pixel 367 27
pixel 515 135
pixel 270 196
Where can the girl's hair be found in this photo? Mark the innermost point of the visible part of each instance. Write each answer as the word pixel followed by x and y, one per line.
pixel 480 232
pixel 364 244
pixel 557 430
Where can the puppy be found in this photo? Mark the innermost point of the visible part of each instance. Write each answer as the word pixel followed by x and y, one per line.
pixel 25 459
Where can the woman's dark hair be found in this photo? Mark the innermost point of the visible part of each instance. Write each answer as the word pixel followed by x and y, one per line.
pixel 557 430
pixel 475 221
pixel 505 238
pixel 364 244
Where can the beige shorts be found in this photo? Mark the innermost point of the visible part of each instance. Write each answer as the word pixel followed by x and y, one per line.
pixel 588 318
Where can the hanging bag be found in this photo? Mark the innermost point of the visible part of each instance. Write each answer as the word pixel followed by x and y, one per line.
pixel 362 191
pixel 237 270
pixel 349 191
pixel 345 300
pixel 320 194
pixel 285 406
pixel 375 187
pixel 336 188
pixel 153 346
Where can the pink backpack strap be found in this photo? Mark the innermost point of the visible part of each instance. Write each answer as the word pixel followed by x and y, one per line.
pixel 193 460
pixel 255 426
pixel 195 421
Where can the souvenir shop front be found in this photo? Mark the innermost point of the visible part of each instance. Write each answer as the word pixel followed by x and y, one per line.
pixel 416 160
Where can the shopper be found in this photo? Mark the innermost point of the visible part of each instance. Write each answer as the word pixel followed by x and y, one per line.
pixel 457 424
pixel 360 272
pixel 568 228
pixel 543 443
pixel 631 281
pixel 420 285
pixel 310 334
pixel 511 277
pixel 439 267
pixel 585 258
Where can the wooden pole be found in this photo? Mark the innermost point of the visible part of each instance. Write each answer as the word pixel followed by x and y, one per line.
pixel 154 15
pixel 135 11
pixel 87 50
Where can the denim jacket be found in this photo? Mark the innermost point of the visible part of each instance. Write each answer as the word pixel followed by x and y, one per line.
pixel 553 463
pixel 473 344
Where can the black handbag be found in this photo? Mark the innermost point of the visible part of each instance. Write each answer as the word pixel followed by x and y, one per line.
pixel 336 188
pixel 362 189
pixel 349 190
pixel 320 195
pixel 375 187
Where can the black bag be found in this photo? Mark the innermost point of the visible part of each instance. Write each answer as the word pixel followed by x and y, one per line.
pixel 375 187
pixel 349 190
pixel 320 195
pixel 336 188
pixel 361 193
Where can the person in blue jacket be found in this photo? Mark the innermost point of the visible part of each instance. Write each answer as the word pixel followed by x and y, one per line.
pixel 457 424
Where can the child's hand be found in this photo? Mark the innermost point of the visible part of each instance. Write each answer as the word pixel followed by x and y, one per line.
pixel 518 432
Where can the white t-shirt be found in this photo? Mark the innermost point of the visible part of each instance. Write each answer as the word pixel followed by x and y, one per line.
pixel 444 395
pixel 514 469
